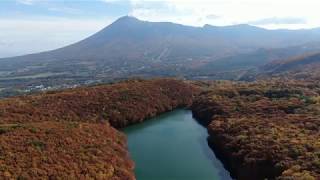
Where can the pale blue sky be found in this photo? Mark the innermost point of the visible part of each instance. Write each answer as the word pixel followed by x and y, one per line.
pixel 63 8
pixel 28 26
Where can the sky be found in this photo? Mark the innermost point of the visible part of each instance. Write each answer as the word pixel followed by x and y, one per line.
pixel 29 26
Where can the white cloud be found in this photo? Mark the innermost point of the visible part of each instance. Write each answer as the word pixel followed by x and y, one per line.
pixel 108 1
pixel 65 10
pixel 27 2
pixel 195 12
pixel 276 20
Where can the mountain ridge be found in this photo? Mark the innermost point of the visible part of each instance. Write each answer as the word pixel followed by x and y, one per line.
pixel 131 47
pixel 130 20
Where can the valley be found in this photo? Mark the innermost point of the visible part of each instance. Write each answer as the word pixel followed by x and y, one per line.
pixel 257 130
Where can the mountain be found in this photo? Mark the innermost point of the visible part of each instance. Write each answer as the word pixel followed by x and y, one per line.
pixel 303 67
pixel 131 47
pixel 234 66
pixel 293 64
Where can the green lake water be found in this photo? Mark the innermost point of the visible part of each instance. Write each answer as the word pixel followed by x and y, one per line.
pixel 173 146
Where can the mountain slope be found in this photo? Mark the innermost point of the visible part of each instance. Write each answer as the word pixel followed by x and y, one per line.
pixel 233 67
pixel 293 64
pixel 265 129
pixel 304 67
pixel 131 47
pixel 142 37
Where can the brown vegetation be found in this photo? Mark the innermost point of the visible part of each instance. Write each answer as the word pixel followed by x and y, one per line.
pixel 121 104
pixel 267 129
pixel 64 151
pixel 66 135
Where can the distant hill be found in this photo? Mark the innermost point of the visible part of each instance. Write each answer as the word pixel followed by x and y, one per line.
pixel 131 47
pixel 306 66
pixel 233 67
pixel 293 64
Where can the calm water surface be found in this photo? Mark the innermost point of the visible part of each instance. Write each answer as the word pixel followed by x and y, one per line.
pixel 173 146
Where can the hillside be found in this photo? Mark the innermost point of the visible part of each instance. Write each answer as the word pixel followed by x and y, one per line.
pixel 306 63
pixel 234 67
pixel 266 129
pixel 51 150
pixel 131 47
pixel 71 135
pixel 301 67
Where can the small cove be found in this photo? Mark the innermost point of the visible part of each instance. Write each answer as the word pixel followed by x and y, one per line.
pixel 173 146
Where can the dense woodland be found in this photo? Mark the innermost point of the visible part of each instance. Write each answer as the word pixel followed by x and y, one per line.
pixel 67 135
pixel 120 104
pixel 268 128
pixel 64 150
pixel 265 129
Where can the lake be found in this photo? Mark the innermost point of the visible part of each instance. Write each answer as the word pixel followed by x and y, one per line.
pixel 173 146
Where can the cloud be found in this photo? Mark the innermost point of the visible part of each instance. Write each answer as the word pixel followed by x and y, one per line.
pixel 110 1
pixel 27 2
pixel 276 20
pixel 212 16
pixel 228 12
pixel 65 10
pixel 165 10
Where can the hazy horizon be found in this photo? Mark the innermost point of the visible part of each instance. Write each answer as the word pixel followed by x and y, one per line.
pixel 30 26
